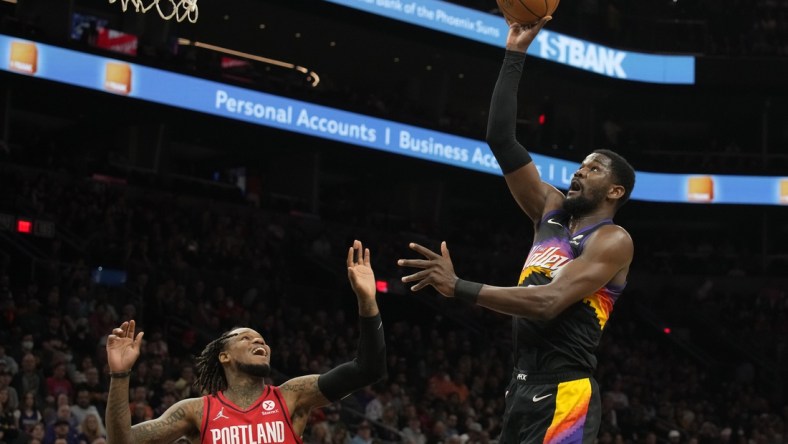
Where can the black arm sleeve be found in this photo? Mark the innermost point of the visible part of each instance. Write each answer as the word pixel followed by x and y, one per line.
pixel 368 368
pixel 501 124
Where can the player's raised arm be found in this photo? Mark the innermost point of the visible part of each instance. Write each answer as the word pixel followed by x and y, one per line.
pixel 534 196
pixel 123 349
pixel 307 392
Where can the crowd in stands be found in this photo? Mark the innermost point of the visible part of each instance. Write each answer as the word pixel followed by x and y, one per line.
pixel 198 267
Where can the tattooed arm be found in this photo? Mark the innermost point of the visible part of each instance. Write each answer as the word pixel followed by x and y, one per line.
pixel 182 419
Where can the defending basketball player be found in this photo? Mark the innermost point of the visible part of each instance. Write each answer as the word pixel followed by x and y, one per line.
pixel 575 271
pixel 239 407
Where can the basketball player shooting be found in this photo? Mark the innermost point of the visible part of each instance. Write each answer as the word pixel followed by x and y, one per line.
pixel 238 407
pixel 575 271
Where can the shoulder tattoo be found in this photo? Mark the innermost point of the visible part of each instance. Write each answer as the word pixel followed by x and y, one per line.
pixel 300 385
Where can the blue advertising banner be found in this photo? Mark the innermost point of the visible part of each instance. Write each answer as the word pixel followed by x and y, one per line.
pixel 178 90
pixel 492 29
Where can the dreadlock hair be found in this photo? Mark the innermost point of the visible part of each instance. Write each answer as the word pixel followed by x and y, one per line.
pixel 210 373
pixel 623 173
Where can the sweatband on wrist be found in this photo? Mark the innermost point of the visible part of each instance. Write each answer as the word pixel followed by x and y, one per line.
pixel 467 291
pixel 125 374
pixel 371 343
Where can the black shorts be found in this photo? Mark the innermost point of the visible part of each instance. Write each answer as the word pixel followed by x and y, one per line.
pixel 547 409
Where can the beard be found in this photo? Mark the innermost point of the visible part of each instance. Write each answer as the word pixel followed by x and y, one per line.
pixel 257 370
pixel 581 205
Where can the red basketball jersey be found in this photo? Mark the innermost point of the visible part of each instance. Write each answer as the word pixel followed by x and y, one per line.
pixel 266 421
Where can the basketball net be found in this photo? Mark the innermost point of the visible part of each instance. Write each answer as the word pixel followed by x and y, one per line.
pixel 179 9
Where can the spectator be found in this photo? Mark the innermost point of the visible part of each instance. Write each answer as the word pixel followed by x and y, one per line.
pixel 83 407
pixel 139 406
pixel 77 375
pixel 437 433
pixel 184 386
pixel 333 419
pixel 388 427
pixel 141 412
pixel 98 390
pixel 8 361
pixel 91 428
pixel 475 435
pixel 29 414
pixel 30 379
pixel 441 385
pixel 618 398
pixel 59 383
pixel 63 413
pixel 37 434
pixel 363 434
pixel 450 428
pixel 319 433
pixel 412 434
pixel 340 435
pixel 61 430
pixel 8 420
pixel 374 409
pixel 140 377
pixel 5 384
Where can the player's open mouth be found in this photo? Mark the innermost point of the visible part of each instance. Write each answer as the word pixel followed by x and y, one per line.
pixel 259 351
pixel 574 187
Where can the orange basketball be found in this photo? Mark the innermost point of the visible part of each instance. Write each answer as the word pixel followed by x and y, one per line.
pixel 526 11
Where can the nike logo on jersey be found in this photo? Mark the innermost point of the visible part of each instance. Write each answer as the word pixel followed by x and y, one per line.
pixel 551 221
pixel 539 398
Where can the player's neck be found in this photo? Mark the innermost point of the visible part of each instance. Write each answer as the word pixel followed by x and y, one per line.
pixel 243 391
pixel 577 223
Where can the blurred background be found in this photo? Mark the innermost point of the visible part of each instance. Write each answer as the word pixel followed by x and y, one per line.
pixel 113 208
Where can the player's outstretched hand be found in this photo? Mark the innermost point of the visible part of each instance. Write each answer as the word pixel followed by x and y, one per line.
pixel 437 270
pixel 520 36
pixel 123 348
pixel 359 271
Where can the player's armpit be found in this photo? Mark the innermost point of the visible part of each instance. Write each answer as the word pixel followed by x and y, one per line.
pixel 303 393
pixel 183 418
